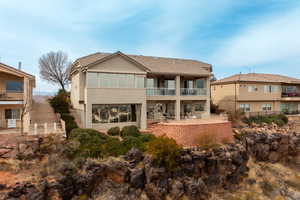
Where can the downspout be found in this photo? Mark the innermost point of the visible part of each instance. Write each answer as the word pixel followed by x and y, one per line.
pixel 235 97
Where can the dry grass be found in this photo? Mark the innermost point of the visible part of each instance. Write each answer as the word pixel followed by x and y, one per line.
pixel 207 141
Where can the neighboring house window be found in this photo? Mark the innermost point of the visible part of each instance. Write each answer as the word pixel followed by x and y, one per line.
pixel 245 107
pixel 113 113
pixel 150 83
pixel 267 107
pixel 271 88
pixel 12 113
pixel 139 82
pixel 92 80
pixel 252 88
pixel 199 107
pixel 289 89
pixel 170 84
pixel 14 86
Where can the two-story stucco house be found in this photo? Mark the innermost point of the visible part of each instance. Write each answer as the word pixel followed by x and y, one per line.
pixel 115 89
pixel 15 95
pixel 256 92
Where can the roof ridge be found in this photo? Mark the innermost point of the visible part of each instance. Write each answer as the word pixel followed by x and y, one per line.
pixel 160 57
pixel 18 70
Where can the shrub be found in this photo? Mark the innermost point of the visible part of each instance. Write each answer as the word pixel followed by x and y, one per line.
pixel 114 131
pixel 146 137
pixel 165 152
pixel 113 147
pixel 280 120
pixel 90 142
pixel 130 131
pixel 70 125
pixel 129 142
pixel 207 141
pixel 60 102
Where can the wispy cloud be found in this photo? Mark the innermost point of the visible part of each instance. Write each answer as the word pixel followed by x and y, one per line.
pixel 272 39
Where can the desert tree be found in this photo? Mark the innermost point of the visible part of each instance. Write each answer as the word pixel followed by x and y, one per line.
pixel 55 68
pixel 24 110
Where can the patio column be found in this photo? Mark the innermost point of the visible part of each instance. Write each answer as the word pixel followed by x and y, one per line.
pixel 208 95
pixel 177 106
pixel 143 119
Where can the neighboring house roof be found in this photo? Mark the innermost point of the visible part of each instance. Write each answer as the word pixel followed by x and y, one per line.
pixel 152 64
pixel 7 69
pixel 257 77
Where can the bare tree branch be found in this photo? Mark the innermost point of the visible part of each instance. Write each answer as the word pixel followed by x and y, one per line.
pixel 55 68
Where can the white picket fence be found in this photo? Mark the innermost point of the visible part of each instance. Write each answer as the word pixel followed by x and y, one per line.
pixel 47 128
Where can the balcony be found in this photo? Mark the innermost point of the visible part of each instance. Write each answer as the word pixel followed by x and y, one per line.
pixel 193 91
pixel 290 94
pixel 10 95
pixel 161 92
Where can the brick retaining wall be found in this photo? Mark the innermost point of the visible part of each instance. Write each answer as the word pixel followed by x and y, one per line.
pixel 188 134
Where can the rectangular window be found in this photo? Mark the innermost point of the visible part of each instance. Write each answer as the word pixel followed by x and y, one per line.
pixel 245 107
pixel 200 83
pixel 199 107
pixel 271 88
pixel 150 83
pixel 267 107
pixel 92 80
pixel 14 86
pixel 113 113
pixel 12 113
pixel 170 84
pixel 252 88
pixel 139 81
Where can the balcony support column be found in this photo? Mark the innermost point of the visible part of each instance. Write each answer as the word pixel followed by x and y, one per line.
pixel 177 106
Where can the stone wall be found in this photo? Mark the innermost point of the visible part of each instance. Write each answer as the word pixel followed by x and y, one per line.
pixel 274 147
pixel 188 134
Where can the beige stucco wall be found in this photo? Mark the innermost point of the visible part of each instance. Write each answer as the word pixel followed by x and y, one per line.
pixel 257 95
pixel 114 96
pixel 224 96
pixel 117 64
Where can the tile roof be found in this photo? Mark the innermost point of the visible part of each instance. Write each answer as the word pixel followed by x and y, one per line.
pixel 19 72
pixel 258 77
pixel 157 64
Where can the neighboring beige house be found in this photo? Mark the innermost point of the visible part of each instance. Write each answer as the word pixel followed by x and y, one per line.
pixel 15 95
pixel 114 89
pixel 256 92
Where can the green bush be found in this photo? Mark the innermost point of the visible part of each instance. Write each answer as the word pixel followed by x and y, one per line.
pixel 165 152
pixel 90 142
pixel 67 117
pixel 129 142
pixel 114 131
pixel 60 102
pixel 146 137
pixel 280 120
pixel 113 147
pixel 130 131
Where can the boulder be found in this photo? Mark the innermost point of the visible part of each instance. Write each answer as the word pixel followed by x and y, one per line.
pixel 137 178
pixel 196 189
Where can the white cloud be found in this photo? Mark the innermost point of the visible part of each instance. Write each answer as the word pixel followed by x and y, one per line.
pixel 271 39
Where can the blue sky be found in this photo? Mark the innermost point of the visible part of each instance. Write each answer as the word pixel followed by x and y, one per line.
pixel 234 36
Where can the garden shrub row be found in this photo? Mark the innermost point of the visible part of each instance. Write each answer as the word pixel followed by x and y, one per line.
pixel 89 143
pixel 61 104
pixel 280 119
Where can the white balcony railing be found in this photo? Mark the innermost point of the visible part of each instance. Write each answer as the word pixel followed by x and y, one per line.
pixel 161 92
pixel 193 91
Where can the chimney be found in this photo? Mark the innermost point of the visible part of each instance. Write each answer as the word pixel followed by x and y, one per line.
pixel 19 65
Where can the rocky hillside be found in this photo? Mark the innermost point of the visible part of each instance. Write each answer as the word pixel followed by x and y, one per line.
pixel 257 166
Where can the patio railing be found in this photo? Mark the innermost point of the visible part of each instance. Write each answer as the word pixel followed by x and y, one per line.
pixel 193 91
pixel 161 92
